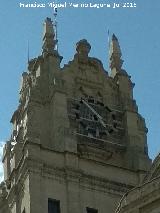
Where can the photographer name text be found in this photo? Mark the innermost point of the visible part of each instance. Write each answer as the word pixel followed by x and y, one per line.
pixel 78 5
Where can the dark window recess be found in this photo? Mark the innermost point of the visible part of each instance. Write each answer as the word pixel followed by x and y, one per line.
pixel 90 210
pixel 53 206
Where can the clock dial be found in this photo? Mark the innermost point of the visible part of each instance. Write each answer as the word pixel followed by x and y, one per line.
pixel 94 119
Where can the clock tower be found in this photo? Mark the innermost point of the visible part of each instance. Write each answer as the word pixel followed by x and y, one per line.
pixel 78 141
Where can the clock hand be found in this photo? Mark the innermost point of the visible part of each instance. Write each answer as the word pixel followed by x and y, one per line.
pixel 95 113
pixel 99 117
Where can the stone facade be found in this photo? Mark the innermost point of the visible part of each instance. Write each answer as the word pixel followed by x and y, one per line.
pixel 78 143
pixel 144 198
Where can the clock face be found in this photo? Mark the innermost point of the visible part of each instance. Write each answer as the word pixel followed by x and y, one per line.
pixel 94 119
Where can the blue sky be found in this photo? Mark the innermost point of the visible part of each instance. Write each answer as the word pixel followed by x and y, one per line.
pixel 138 30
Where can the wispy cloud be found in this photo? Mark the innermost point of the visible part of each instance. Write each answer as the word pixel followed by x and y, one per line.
pixel 1 165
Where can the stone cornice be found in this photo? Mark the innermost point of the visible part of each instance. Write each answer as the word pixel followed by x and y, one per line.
pixel 85 180
pixel 63 174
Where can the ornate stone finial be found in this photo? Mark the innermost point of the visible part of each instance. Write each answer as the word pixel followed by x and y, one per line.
pixel 83 49
pixel 48 37
pixel 115 54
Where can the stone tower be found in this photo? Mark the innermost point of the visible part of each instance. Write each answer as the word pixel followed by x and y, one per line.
pixel 78 142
